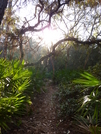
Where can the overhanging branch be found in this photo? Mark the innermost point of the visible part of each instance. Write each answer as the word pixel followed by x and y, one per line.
pixel 76 40
pixel 90 42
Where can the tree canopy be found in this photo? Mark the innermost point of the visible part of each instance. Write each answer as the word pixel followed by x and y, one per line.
pixel 79 22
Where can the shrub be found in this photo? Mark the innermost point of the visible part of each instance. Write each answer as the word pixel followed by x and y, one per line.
pixel 68 99
pixel 37 79
pixel 68 93
pixel 62 76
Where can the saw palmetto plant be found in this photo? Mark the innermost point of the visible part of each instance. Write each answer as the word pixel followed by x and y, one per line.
pixel 14 81
pixel 90 102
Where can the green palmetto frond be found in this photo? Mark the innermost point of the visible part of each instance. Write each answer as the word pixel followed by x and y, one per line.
pixel 87 80
pixel 90 102
pixel 14 81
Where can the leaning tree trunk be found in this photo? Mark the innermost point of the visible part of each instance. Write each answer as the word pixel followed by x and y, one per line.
pixel 3 5
pixel 21 50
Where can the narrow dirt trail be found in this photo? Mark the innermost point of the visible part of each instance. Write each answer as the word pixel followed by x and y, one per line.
pixel 44 115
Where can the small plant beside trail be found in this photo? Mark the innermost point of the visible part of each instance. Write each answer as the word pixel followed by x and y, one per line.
pixel 68 93
pixel 68 99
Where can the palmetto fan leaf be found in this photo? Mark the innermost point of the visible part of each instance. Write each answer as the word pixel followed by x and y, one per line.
pixel 14 81
pixel 87 80
pixel 90 102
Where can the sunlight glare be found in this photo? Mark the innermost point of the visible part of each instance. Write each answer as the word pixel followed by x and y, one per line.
pixel 50 36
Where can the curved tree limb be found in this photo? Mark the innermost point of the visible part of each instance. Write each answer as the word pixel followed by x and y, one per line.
pixel 76 40
pixel 88 42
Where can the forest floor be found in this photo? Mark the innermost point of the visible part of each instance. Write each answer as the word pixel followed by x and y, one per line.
pixel 44 118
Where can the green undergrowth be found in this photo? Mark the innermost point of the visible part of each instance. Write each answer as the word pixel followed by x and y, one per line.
pixel 64 75
pixel 79 97
pixel 68 93
pixel 14 96
pixel 37 80
pixel 17 87
pixel 89 112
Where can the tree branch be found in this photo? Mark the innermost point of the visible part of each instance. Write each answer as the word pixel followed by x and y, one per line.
pixel 90 42
pixel 87 42
pixel 51 13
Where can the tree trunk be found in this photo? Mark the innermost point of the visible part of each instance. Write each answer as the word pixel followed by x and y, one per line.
pixel 21 50
pixel 68 50
pixel 3 5
pixel 5 49
pixel 7 28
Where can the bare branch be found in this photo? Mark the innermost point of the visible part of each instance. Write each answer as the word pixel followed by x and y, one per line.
pixel 50 13
pixel 33 28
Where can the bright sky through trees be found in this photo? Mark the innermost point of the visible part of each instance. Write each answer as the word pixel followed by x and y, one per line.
pixel 74 22
pixel 49 35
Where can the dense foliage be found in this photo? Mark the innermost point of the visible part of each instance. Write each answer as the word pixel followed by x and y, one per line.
pixel 79 99
pixel 90 102
pixel 14 81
